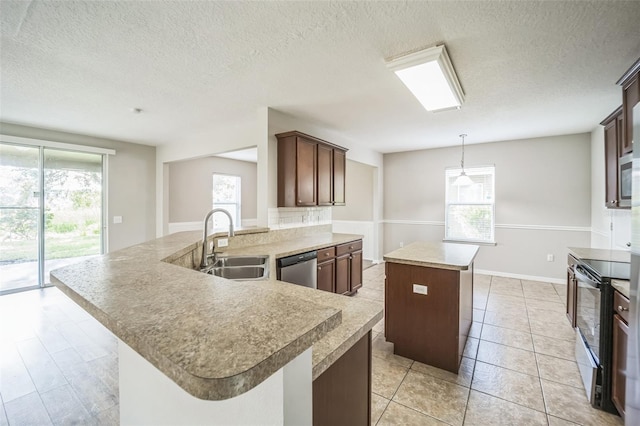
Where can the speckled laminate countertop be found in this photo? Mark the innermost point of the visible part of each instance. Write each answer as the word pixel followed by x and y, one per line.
pixel 214 337
pixel 435 255
pixel 600 254
pixel 622 286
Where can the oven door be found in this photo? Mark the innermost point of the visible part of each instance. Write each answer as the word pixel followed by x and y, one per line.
pixel 588 324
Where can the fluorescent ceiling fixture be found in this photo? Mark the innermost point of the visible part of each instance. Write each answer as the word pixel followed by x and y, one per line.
pixel 430 76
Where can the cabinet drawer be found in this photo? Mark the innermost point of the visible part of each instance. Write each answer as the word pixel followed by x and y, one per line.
pixel 348 247
pixel 621 306
pixel 326 253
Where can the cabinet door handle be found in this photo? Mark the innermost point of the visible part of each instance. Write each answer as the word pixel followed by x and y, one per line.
pixel 299 201
pixel 628 244
pixel 622 309
pixel 319 268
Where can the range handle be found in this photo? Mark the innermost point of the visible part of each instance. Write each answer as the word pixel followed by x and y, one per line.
pixel 581 276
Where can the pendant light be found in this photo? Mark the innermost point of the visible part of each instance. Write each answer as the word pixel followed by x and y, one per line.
pixel 463 179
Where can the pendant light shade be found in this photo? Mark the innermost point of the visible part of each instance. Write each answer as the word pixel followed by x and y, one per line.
pixel 463 179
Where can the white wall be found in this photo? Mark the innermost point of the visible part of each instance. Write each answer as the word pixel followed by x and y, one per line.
pixel 131 177
pixel 610 228
pixel 543 200
pixel 190 185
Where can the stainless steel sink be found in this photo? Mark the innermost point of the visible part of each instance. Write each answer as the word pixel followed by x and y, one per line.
pixel 223 261
pixel 241 268
pixel 240 272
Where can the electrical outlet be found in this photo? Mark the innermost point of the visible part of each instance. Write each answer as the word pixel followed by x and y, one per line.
pixel 223 242
pixel 550 258
pixel 420 289
pixel 401 244
pixel 117 219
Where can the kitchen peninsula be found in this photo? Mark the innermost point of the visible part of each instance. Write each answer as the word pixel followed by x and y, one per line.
pixel 429 301
pixel 227 351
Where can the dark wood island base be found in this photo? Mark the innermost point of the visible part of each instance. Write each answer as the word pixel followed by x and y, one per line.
pixel 431 328
pixel 429 302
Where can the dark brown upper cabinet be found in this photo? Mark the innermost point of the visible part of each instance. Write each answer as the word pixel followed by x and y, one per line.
pixel 613 125
pixel 630 83
pixel 311 171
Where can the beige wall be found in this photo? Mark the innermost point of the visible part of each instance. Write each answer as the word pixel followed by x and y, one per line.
pixel 543 200
pixel 131 182
pixel 358 192
pixel 190 184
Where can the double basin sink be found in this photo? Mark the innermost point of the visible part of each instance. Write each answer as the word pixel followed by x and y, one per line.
pixel 239 267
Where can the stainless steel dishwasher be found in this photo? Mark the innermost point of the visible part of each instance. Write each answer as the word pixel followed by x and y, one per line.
pixel 299 269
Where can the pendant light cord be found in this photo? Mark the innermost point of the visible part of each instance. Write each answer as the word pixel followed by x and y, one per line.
pixel 462 161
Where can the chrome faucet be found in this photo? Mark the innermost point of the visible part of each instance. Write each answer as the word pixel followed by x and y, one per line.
pixel 205 256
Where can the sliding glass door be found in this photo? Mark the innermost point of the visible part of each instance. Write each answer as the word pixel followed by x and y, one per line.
pixel 19 216
pixel 51 212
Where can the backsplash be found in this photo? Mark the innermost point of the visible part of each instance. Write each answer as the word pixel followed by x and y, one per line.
pixel 295 217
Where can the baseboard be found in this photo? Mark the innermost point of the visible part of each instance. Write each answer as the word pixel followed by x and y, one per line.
pixel 521 276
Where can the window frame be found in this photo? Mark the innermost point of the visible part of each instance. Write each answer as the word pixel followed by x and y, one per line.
pixel 237 220
pixel 470 172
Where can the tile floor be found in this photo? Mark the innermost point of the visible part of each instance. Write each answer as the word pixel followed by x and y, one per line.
pixel 59 366
pixel 518 366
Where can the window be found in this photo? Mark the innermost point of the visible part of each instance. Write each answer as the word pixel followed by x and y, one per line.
pixel 470 209
pixel 226 195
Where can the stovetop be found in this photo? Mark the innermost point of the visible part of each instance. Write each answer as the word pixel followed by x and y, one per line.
pixel 606 269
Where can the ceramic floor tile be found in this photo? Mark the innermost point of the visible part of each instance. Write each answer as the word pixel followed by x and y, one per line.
pixel 507 320
pixel 498 302
pixel 44 372
pixel 437 398
pixel 27 410
pixel 484 409
pixel 480 279
pixel 546 305
pixel 554 347
pixel 507 384
pixel 539 286
pixel 508 357
pixel 109 417
pixel 471 348
pixel 378 405
pixel 571 404
pixel 386 376
pixel 545 317
pixel 555 421
pixel 3 415
pixel 559 370
pixel 506 336
pixel 15 381
pixel 64 407
pixel 397 414
pixel 480 302
pixel 562 331
pixel 383 349
pixel 475 330
pixel 463 378
pixel 371 294
pixel 478 315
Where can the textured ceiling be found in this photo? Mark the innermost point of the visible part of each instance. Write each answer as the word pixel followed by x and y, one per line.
pixel 528 69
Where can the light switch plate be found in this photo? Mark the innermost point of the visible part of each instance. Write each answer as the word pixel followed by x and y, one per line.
pixel 223 242
pixel 117 219
pixel 420 289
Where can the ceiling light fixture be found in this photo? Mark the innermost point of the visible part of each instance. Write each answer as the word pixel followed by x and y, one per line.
pixel 463 179
pixel 430 76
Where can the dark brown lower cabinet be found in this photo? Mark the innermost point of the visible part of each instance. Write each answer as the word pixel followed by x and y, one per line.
pixel 327 276
pixel 431 328
pixel 619 363
pixel 342 274
pixel 342 394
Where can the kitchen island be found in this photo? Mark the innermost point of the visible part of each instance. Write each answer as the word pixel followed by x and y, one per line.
pixel 233 351
pixel 429 301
